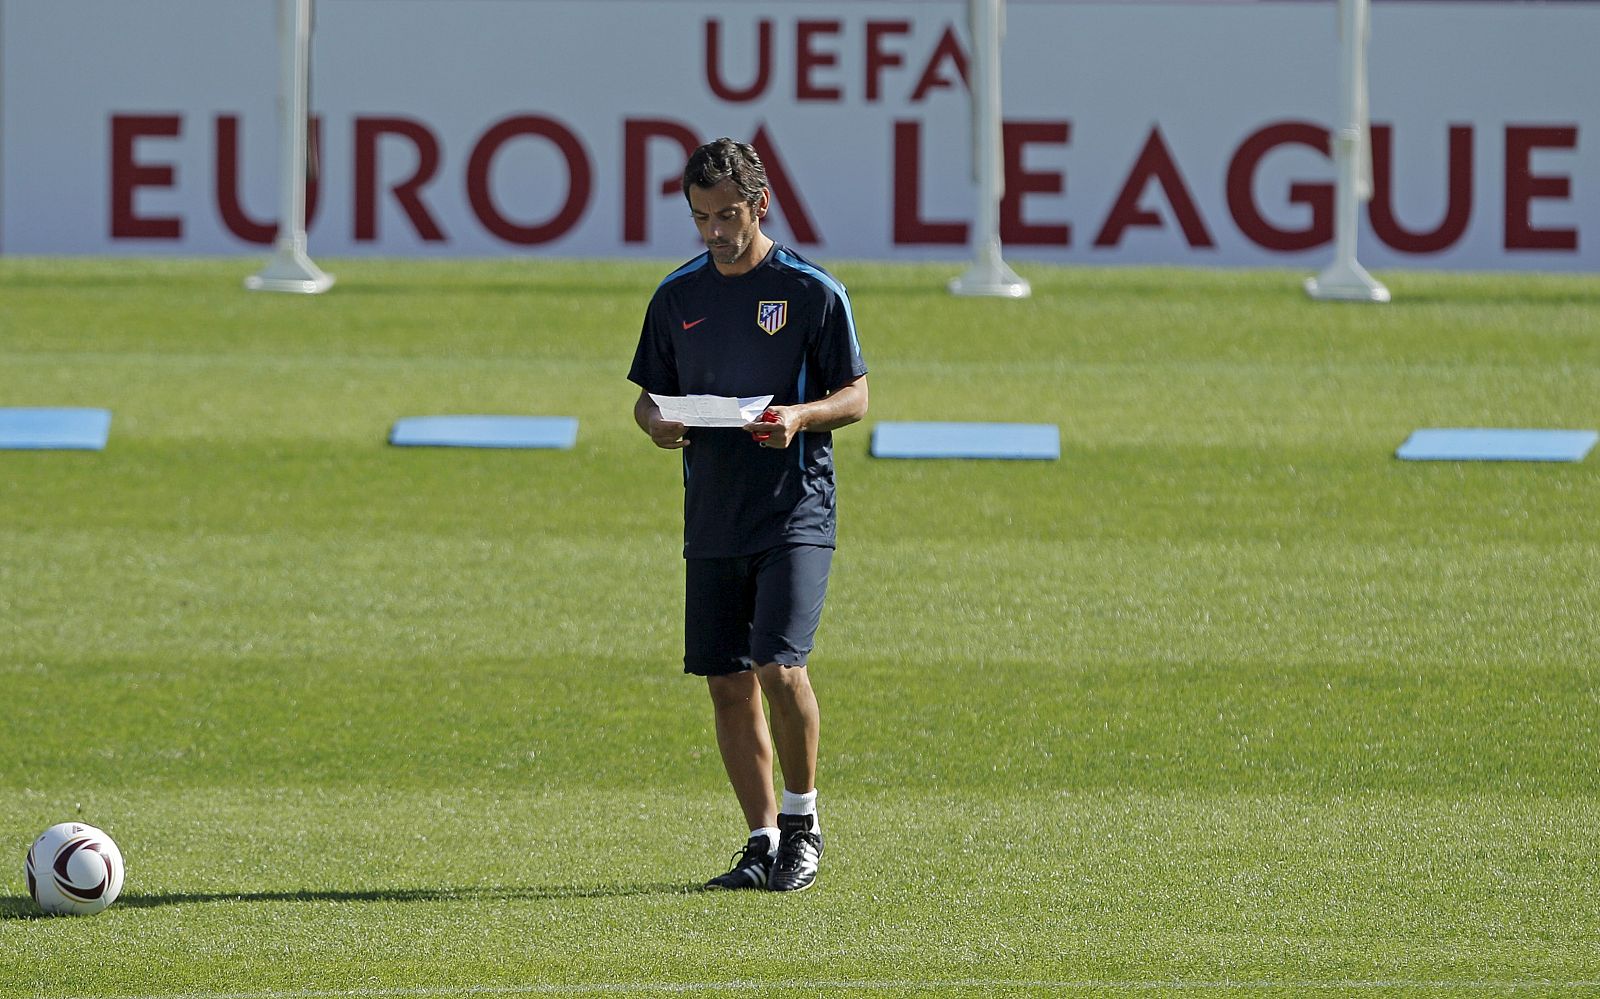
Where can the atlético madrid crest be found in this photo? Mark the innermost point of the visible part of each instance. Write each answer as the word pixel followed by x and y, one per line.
pixel 771 316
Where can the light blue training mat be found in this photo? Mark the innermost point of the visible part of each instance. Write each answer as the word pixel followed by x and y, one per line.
pixel 1487 444
pixel 485 431
pixel 1037 441
pixel 54 429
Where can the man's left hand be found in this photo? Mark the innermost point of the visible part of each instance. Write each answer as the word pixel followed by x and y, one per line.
pixel 775 427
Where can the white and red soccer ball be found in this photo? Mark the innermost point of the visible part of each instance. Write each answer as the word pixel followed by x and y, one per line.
pixel 74 870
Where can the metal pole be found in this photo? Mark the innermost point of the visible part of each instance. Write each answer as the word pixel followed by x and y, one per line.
pixel 1345 279
pixel 290 269
pixel 989 274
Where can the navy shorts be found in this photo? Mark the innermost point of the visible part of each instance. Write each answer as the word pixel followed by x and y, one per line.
pixel 754 609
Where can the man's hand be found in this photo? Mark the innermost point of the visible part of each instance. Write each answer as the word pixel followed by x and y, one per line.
pixel 775 427
pixel 664 434
pixel 667 434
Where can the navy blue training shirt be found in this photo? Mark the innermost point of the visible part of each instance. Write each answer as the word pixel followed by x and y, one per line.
pixel 782 329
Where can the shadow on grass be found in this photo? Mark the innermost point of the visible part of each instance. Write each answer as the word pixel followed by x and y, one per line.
pixel 1513 289
pixel 17 907
pixel 480 287
pixel 103 281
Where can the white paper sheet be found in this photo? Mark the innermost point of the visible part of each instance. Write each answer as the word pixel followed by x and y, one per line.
pixel 711 410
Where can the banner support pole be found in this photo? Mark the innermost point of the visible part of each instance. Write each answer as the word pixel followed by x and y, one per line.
pixel 290 269
pixel 989 274
pixel 1345 279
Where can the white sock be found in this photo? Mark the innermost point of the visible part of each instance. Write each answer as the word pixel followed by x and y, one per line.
pixel 771 833
pixel 801 804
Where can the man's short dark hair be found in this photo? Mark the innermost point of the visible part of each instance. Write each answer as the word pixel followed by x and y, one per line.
pixel 724 159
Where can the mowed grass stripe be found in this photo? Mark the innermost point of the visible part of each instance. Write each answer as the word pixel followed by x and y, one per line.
pixel 425 875
pixel 960 986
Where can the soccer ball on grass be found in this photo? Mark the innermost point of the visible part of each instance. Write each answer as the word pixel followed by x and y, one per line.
pixel 74 870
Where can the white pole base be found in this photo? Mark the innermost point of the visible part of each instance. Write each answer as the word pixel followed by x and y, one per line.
pixel 993 278
pixel 290 270
pixel 1346 281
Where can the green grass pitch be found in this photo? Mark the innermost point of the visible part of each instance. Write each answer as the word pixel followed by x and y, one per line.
pixel 1227 701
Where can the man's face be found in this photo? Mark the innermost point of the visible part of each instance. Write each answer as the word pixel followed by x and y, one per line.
pixel 728 223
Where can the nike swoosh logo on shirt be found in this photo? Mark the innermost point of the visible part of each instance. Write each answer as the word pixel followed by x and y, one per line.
pixel 697 322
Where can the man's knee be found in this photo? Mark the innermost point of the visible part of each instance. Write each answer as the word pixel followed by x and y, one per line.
pixel 778 680
pixel 732 691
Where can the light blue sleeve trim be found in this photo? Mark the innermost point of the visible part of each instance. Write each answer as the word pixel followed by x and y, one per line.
pixel 790 260
pixel 800 440
pixel 688 268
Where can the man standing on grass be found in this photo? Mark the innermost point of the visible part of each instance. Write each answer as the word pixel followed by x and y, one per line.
pixel 750 318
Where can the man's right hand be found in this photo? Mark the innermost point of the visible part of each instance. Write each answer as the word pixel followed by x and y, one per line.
pixel 667 434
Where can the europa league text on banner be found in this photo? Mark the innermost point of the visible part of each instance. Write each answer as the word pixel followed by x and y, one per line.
pixel 1174 133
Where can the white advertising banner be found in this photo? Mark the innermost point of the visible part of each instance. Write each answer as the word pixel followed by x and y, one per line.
pixel 1173 133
